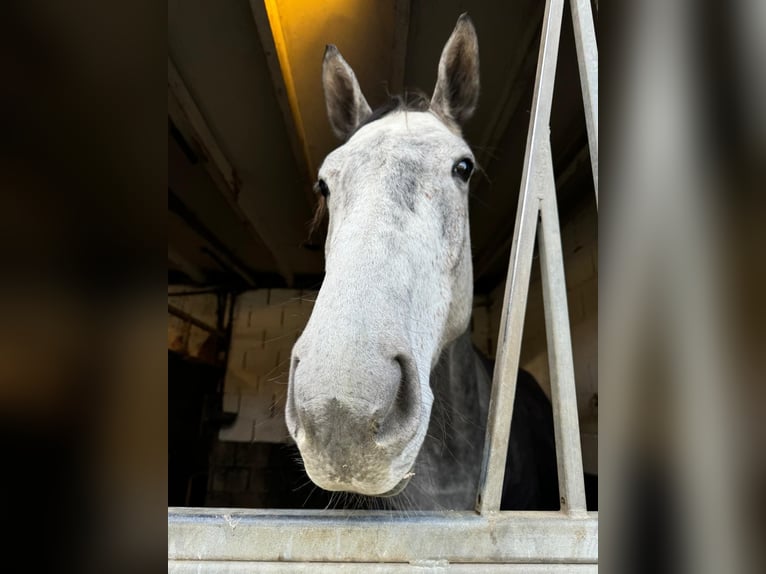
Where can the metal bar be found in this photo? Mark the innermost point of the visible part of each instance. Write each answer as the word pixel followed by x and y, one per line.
pixel 240 567
pixel 508 353
pixel 181 314
pixel 587 58
pixel 560 362
pixel 517 283
pixel 376 536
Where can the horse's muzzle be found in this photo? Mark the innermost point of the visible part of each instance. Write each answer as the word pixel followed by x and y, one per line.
pixel 356 434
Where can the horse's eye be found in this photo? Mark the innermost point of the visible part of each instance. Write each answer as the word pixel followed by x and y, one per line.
pixel 321 187
pixel 463 169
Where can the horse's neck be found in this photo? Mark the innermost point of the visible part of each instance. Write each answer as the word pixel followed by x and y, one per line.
pixel 450 458
pixel 461 385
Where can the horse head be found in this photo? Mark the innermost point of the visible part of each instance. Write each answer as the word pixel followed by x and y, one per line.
pixel 398 285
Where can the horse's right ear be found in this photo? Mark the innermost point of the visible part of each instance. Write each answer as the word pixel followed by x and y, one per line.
pixel 346 106
pixel 457 84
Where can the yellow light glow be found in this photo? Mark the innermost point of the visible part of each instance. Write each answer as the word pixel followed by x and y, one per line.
pixel 364 33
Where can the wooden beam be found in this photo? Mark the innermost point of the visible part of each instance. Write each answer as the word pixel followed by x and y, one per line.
pixel 190 269
pixel 267 22
pixel 214 248
pixel 187 117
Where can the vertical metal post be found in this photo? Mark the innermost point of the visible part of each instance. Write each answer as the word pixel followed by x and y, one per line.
pixel 533 182
pixel 566 424
pixel 587 59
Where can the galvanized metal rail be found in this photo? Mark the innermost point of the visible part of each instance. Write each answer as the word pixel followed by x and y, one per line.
pixel 195 567
pixel 226 540
pixel 380 536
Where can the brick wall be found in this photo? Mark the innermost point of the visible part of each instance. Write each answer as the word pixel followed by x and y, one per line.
pixel 266 324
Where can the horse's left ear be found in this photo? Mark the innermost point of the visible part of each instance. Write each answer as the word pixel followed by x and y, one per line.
pixel 457 85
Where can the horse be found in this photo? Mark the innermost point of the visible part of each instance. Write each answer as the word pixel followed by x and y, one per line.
pixel 387 397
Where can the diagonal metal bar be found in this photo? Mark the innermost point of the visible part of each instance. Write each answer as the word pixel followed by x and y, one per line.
pixel 587 59
pixel 533 180
pixel 560 362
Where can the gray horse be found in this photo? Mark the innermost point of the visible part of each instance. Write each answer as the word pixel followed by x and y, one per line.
pixel 386 391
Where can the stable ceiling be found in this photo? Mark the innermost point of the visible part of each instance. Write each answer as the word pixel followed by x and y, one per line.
pixel 247 128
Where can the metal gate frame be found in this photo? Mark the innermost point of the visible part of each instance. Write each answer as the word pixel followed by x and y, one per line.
pixel 240 540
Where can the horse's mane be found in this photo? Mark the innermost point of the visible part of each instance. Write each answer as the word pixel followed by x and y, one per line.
pixel 411 101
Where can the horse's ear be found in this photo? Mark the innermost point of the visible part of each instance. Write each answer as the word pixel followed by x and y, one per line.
pixel 346 106
pixel 457 85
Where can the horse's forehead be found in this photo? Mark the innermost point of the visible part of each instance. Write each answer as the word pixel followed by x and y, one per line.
pixel 406 129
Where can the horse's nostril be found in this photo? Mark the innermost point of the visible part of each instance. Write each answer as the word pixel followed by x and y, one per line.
pixel 401 419
pixel 400 402
pixel 291 413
